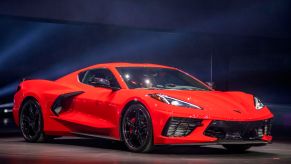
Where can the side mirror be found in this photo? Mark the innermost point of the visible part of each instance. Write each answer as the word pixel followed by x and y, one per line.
pixel 210 84
pixel 101 82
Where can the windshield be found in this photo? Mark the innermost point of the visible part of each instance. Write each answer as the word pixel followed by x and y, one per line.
pixel 158 78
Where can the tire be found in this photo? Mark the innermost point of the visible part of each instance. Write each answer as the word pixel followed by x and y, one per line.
pixel 31 122
pixel 136 129
pixel 237 148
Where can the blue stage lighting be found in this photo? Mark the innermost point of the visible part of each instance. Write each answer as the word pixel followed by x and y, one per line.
pixel 27 41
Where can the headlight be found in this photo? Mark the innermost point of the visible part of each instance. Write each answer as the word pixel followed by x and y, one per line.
pixel 173 101
pixel 258 104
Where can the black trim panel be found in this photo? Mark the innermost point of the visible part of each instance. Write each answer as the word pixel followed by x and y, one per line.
pixel 254 143
pixel 92 135
pixel 58 103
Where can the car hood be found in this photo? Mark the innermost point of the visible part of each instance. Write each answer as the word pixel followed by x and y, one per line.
pixel 216 103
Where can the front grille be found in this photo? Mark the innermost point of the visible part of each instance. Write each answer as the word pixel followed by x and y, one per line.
pixel 178 127
pixel 234 130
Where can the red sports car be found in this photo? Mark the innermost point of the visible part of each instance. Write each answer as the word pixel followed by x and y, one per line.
pixel 142 105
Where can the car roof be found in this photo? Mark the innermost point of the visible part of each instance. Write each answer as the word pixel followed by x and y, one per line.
pixel 127 65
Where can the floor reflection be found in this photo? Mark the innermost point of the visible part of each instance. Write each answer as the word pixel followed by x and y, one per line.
pixel 79 150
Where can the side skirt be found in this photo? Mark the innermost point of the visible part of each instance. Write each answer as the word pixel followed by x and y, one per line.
pixel 93 136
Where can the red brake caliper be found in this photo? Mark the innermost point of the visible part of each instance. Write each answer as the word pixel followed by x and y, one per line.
pixel 133 122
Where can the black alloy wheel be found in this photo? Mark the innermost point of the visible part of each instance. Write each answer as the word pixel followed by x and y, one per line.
pixel 31 122
pixel 136 129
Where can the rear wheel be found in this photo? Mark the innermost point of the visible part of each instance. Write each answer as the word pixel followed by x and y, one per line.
pixel 237 148
pixel 136 129
pixel 31 122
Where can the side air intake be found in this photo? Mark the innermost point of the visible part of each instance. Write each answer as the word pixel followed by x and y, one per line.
pixel 59 103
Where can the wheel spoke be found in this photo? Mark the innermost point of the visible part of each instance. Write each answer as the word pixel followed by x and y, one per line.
pixel 25 129
pixel 143 126
pixel 130 123
pixel 137 114
pixel 35 127
pixel 26 119
pixel 36 115
pixel 140 138
pixel 31 112
pixel 131 136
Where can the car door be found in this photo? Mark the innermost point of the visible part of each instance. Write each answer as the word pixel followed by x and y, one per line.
pixel 95 110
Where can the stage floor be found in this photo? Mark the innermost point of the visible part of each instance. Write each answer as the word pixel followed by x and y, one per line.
pixel 79 150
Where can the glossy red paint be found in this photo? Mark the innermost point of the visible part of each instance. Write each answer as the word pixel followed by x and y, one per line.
pixel 99 110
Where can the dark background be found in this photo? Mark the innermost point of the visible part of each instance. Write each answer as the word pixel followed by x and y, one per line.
pixel 246 42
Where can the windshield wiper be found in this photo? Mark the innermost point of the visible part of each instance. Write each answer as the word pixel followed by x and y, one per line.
pixel 198 89
pixel 170 85
pixel 192 88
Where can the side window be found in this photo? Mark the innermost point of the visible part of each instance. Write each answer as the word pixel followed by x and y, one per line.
pixel 87 77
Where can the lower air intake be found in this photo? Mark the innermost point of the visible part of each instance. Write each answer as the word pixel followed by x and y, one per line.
pixel 178 127
pixel 234 130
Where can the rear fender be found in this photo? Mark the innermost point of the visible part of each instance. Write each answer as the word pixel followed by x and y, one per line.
pixel 50 95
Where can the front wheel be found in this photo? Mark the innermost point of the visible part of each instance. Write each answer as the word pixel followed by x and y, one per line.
pixel 237 148
pixel 136 129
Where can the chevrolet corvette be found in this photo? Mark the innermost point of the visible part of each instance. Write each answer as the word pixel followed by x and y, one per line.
pixel 141 105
